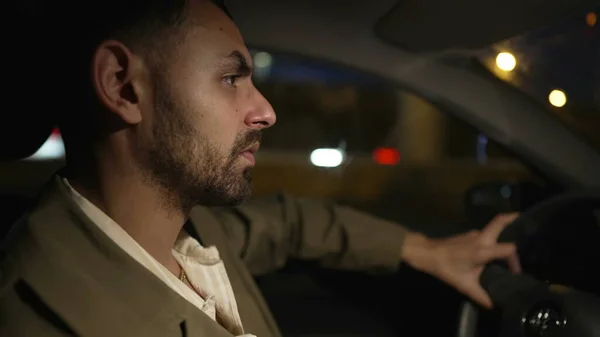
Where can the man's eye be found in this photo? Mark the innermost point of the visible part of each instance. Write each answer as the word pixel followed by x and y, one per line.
pixel 230 80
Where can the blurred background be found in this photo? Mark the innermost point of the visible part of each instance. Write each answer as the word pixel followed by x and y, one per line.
pixel 356 138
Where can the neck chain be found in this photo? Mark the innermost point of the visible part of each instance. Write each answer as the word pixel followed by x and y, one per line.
pixel 182 275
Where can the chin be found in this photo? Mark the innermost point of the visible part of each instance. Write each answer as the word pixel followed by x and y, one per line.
pixel 231 200
pixel 247 176
pixel 230 197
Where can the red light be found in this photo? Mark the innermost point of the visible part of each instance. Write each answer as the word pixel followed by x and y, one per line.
pixel 55 132
pixel 386 156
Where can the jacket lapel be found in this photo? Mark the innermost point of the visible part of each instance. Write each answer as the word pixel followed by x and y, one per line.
pixel 92 284
pixel 254 312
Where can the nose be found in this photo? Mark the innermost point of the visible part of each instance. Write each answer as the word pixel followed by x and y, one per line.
pixel 261 115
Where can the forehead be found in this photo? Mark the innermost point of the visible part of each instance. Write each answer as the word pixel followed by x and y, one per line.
pixel 212 27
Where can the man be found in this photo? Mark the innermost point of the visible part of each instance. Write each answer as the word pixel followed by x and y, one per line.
pixel 159 115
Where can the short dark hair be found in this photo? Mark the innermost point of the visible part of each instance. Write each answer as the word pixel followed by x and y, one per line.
pixel 131 21
pixel 79 26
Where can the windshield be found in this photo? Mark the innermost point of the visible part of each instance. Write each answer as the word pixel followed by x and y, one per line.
pixel 559 66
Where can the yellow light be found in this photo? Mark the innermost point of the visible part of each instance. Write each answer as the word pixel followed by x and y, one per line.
pixel 506 61
pixel 557 98
pixel 591 18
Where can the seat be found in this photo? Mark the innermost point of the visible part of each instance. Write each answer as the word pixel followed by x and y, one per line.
pixel 28 135
pixel 26 110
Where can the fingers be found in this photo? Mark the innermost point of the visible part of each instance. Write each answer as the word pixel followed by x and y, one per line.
pixel 492 231
pixel 500 251
pixel 514 264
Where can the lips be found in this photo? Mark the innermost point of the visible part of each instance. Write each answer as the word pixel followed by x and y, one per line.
pixel 249 152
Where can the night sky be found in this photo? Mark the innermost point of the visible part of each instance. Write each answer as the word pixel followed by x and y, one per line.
pixel 562 56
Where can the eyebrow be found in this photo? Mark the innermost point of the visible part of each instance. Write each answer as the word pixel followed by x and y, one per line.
pixel 238 61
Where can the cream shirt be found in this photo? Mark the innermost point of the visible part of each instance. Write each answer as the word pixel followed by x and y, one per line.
pixel 204 268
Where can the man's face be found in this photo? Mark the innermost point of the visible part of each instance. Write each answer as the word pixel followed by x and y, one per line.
pixel 207 116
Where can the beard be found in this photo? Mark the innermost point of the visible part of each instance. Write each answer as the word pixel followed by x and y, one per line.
pixel 189 168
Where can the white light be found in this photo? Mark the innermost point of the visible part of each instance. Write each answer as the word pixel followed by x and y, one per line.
pixel 557 98
pixel 506 61
pixel 327 157
pixel 52 149
pixel 262 59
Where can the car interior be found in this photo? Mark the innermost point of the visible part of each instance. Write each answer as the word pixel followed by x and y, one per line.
pixel 415 145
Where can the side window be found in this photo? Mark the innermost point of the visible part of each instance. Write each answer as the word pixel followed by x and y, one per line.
pixel 354 138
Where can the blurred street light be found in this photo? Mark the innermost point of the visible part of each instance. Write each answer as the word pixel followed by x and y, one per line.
pixel 591 18
pixel 327 157
pixel 506 61
pixel 557 98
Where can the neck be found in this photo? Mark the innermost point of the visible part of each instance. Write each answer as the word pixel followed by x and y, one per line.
pixel 121 191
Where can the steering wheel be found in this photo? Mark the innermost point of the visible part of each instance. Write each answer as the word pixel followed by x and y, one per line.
pixel 547 246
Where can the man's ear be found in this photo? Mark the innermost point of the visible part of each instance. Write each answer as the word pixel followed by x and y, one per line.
pixel 117 76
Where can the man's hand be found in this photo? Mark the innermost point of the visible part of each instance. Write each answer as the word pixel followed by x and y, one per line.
pixel 459 260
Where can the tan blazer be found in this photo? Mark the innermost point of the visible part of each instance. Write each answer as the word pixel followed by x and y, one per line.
pixel 61 276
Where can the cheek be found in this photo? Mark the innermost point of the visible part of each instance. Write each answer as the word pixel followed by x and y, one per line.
pixel 218 126
pixel 214 109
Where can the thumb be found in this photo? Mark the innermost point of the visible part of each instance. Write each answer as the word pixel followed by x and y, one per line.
pixel 479 296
